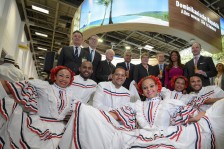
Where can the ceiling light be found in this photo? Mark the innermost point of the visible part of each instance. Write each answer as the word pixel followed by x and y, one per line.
pixel 41 57
pixel 40 9
pixel 127 47
pixel 40 34
pixel 148 47
pixel 41 64
pixel 100 40
pixel 41 48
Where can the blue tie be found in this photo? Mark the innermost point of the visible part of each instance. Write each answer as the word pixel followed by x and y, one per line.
pixel 91 56
pixel 76 52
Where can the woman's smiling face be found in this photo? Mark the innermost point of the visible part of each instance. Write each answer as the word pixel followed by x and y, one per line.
pixel 62 78
pixel 149 87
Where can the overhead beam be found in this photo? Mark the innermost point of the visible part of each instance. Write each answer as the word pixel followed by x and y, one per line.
pixel 55 23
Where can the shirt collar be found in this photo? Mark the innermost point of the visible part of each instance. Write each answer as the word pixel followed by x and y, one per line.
pixel 76 46
pixel 153 99
pixel 90 49
pixel 58 87
pixel 198 56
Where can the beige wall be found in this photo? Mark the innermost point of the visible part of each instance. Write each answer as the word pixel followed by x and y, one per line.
pixel 12 34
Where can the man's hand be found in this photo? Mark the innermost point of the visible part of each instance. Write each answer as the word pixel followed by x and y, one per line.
pixel 114 115
pixel 200 72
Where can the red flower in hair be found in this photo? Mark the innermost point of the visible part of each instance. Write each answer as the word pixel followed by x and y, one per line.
pixel 173 80
pixel 55 70
pixel 157 82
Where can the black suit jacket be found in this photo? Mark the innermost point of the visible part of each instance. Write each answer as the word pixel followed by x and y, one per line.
pixel 104 70
pixel 140 72
pixel 204 63
pixel 163 78
pixel 131 73
pixel 67 58
pixel 96 62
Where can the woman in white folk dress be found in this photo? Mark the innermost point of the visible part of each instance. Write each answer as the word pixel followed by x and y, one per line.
pixel 38 117
pixel 179 83
pixel 144 124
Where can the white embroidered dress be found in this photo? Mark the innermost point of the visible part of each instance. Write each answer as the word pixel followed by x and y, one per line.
pixel 35 120
pixel 96 129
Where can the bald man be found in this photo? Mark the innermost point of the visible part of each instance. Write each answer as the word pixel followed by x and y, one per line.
pixel 105 68
pixel 82 86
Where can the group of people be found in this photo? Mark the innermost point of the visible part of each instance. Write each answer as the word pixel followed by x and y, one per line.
pixel 89 103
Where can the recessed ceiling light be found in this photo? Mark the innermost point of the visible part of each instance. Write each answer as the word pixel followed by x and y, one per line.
pixel 41 48
pixel 127 47
pixel 41 57
pixel 40 9
pixel 148 47
pixel 41 64
pixel 100 40
pixel 41 34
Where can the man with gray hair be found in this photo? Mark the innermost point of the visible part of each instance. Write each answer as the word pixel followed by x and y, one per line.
pixel 105 68
pixel 9 72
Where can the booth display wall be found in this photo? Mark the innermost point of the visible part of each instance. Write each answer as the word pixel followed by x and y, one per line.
pixel 165 17
pixel 12 33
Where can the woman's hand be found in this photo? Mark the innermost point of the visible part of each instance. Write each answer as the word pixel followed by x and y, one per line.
pixel 197 117
pixel 114 115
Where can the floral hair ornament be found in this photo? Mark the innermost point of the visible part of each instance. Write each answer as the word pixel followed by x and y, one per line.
pixel 55 70
pixel 157 82
pixel 174 79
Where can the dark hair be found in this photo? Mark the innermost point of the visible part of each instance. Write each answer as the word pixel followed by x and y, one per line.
pixel 171 62
pixel 221 65
pixel 174 79
pixel 77 31
pixel 195 75
pixel 117 68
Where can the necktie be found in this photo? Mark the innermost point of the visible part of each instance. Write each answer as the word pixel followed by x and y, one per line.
pixel 76 52
pixel 91 56
pixel 195 62
pixel 110 66
pixel 160 67
pixel 128 66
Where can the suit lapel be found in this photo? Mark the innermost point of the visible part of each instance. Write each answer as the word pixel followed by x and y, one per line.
pixel 200 60
pixel 192 62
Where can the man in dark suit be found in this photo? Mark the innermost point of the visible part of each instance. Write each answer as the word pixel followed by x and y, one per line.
pixel 105 68
pixel 129 67
pixel 161 67
pixel 93 55
pixel 73 56
pixel 201 65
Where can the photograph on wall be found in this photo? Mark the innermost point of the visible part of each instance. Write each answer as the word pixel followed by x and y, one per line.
pixel 103 12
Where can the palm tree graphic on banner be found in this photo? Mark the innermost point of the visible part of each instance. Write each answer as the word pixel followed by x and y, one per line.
pixel 106 3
